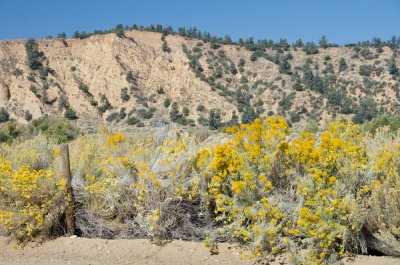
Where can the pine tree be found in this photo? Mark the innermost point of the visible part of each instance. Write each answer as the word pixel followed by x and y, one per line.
pixel 214 118
pixel 342 65
pixel 323 42
pixel 393 69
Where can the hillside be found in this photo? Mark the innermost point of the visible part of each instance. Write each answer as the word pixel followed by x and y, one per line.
pixel 140 74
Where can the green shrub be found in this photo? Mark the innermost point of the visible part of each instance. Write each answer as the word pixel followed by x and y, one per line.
pixel 186 111
pixel 132 120
pixel 366 111
pixel 43 72
pixel 203 121
pixel 200 108
pixel 160 90
pixel 105 104
pixel 84 88
pixel 295 117
pixel 70 114
pixel 167 102
pixel 4 116
pixel 28 116
pixel 165 47
pixel 392 66
pixel 249 115
pixel 298 86
pixel 342 65
pixel 214 119
pixel 60 130
pixel 119 31
pixel 122 113
pixel 112 117
pixel 124 94
pixel 145 114
pixel 365 70
pixel 310 48
pixel 393 122
pixel 33 54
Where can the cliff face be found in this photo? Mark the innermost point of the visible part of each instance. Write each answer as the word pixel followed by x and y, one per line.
pixel 135 72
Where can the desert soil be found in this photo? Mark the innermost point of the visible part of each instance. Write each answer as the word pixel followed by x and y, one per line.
pixel 67 250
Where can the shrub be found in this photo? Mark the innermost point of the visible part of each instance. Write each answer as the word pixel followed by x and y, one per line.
pixel 18 72
pixel 186 111
pixel 214 119
pixel 167 102
pixel 174 113
pixel 124 94
pixel 61 35
pixel 286 102
pixel 342 65
pixel 284 67
pixel 131 78
pixel 200 108
pixel 365 70
pixel 4 116
pixel 43 72
pixel 294 117
pixel 84 88
pixel 393 123
pixel 105 104
pixel 31 77
pixel 132 120
pixel 310 48
pixel 28 116
pixel 70 114
pixel 249 115
pixel 314 196
pixel 323 42
pixel 122 113
pixel 165 47
pixel 33 54
pixel 59 130
pixel 247 189
pixel 145 114
pixel 203 121
pixel 366 111
pixel 298 86
pixel 392 66
pixel 119 30
pixel 160 90
pixel 112 117
pixel 31 201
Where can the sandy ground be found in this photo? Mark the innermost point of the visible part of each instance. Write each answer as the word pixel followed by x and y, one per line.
pixel 98 251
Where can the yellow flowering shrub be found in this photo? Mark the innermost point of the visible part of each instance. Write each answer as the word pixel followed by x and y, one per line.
pixel 241 176
pixel 130 180
pixel 315 196
pixel 278 191
pixel 30 200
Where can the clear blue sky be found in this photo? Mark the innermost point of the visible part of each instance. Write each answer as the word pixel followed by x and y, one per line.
pixel 342 21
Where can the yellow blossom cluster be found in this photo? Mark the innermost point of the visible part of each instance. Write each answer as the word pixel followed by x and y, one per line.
pixel 27 197
pixel 274 190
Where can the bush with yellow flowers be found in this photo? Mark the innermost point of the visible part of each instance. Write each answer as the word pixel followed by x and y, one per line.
pixel 31 201
pixel 274 190
pixel 314 196
pixel 131 186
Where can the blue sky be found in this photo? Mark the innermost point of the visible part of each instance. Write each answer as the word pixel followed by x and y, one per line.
pixel 342 21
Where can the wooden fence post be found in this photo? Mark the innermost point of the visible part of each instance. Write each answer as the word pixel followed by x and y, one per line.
pixel 66 171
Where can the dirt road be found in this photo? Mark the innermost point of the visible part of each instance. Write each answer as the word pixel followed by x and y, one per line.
pixel 139 251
